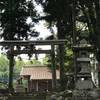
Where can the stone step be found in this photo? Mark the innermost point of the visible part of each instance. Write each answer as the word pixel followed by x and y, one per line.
pixel 28 97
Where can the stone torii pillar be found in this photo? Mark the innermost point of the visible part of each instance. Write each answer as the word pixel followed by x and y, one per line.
pixel 54 82
pixel 11 65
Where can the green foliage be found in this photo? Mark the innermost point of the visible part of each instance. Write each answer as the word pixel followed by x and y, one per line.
pixel 19 63
pixel 13 17
pixel 69 60
pixel 25 83
pixel 47 61
pixel 63 83
pixel 3 86
pixel 33 62
pixel 58 13
pixel 88 13
pixel 4 66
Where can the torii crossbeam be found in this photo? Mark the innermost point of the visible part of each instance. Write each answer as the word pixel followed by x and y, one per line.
pixel 34 42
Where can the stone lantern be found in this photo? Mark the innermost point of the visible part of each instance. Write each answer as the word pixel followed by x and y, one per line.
pixel 83 83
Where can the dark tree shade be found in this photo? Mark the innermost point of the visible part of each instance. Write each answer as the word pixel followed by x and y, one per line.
pixel 13 17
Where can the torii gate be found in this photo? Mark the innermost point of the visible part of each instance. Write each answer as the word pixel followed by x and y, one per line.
pixel 13 51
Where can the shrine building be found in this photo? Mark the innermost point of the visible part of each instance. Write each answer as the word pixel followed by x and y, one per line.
pixel 39 78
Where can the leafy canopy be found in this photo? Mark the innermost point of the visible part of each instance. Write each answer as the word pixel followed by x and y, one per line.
pixel 13 17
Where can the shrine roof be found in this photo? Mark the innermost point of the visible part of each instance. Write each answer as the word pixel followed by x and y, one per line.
pixel 38 72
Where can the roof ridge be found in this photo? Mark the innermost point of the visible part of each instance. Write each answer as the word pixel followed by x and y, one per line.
pixel 33 66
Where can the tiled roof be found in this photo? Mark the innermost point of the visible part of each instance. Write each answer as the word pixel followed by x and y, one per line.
pixel 37 72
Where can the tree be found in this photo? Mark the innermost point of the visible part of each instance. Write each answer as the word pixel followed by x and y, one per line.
pixel 56 12
pixel 33 62
pixel 4 69
pixel 19 63
pixel 47 61
pixel 13 17
pixel 89 15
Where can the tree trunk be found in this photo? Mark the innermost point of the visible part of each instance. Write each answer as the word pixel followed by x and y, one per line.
pixel 61 49
pixel 92 15
pixel 74 34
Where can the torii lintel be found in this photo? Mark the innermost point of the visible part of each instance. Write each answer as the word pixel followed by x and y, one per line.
pixel 32 42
